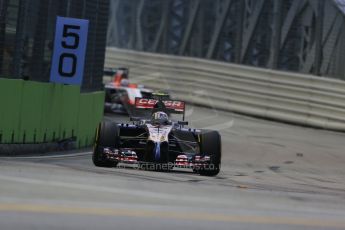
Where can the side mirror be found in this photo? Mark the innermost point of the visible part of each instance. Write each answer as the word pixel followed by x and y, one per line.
pixel 182 122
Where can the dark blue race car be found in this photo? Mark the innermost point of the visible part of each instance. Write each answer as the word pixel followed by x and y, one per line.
pixel 158 143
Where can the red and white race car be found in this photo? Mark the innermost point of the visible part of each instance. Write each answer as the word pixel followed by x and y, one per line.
pixel 120 94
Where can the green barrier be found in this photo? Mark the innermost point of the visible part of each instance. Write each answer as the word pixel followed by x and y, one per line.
pixel 91 104
pixel 36 112
pixel 10 102
pixel 69 111
pixel 31 112
pixel 85 120
pixel 98 112
pixel 51 112
pixel 98 108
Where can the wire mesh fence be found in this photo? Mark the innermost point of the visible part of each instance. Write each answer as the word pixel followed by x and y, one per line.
pixel 27 35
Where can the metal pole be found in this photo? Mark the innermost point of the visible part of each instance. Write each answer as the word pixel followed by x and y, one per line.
pixel 20 37
pixel 318 42
pixel 3 18
pixel 239 30
pixel 276 34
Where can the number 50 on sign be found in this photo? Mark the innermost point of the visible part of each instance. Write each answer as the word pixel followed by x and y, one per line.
pixel 69 51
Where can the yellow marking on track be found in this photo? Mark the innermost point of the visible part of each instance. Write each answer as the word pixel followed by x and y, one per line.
pixel 57 209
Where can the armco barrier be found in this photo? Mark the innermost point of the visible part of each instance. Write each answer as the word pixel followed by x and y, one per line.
pixel 36 112
pixel 291 97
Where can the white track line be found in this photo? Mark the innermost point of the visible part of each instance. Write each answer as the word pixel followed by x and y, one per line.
pixel 48 156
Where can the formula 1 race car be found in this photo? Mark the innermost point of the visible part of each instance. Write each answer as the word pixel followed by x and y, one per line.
pixel 158 143
pixel 120 94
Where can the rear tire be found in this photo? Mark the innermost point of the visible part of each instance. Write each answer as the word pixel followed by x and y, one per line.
pixel 107 135
pixel 210 145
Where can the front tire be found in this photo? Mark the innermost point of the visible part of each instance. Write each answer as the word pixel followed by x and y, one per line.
pixel 210 145
pixel 107 135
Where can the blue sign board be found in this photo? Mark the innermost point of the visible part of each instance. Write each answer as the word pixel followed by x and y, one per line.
pixel 67 65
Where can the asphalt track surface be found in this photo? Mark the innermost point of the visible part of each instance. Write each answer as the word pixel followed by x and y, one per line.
pixel 273 176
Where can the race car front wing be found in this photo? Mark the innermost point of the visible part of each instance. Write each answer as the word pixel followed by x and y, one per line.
pixel 186 160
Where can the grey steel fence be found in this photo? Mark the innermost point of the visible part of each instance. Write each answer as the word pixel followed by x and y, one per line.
pixel 306 36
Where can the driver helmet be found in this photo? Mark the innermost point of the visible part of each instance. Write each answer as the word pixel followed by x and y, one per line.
pixel 124 82
pixel 159 118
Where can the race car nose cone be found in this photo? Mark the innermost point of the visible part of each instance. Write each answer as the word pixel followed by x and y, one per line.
pixel 157 151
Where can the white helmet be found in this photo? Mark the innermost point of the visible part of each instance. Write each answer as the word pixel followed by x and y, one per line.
pixel 159 117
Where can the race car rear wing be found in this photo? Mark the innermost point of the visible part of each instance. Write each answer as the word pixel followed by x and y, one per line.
pixel 108 71
pixel 169 106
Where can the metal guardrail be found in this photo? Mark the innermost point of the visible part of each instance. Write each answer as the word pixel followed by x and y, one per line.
pixel 289 97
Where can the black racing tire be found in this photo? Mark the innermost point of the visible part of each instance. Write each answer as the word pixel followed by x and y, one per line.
pixel 107 135
pixel 210 144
